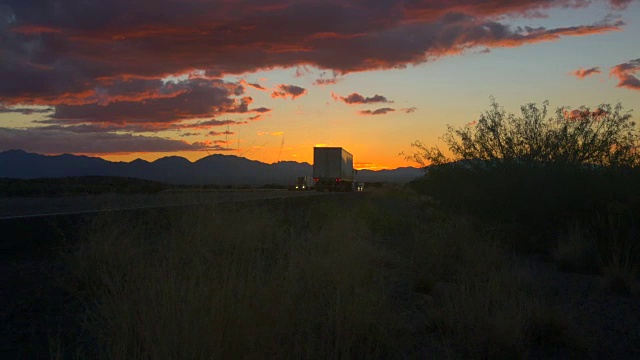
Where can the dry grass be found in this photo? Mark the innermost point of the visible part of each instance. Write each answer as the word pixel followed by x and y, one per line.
pixel 474 301
pixel 232 285
pixel 621 268
pixel 615 255
pixel 306 281
pixel 577 250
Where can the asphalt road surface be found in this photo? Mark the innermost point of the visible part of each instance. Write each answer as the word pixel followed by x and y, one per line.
pixel 25 207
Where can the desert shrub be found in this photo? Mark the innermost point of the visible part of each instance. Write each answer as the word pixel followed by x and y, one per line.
pixel 535 171
pixel 605 136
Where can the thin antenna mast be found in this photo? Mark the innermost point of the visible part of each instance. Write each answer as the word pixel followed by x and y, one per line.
pixel 281 146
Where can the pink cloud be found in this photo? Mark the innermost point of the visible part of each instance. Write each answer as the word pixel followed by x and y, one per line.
pixel 583 73
pixel 625 73
pixel 381 111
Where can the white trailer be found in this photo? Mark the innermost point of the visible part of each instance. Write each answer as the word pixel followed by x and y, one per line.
pixel 332 169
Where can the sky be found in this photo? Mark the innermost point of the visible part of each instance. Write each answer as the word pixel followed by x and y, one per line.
pixel 270 79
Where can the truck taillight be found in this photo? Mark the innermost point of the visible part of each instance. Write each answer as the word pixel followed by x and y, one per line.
pixel 315 179
pixel 338 180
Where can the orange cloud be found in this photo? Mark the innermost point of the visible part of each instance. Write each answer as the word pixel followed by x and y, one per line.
pixel 253 85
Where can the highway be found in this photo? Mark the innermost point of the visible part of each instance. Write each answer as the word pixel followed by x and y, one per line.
pixel 33 227
pixel 35 207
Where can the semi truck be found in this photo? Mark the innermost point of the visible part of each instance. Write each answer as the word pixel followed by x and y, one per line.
pixel 332 169
pixel 304 183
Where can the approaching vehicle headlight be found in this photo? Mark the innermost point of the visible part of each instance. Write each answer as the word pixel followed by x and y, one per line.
pixel 296 186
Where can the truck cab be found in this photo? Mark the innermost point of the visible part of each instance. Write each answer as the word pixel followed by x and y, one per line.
pixel 304 183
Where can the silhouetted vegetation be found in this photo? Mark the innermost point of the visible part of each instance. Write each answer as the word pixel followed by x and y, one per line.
pixel 533 178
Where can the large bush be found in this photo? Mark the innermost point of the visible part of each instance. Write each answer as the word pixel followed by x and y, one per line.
pixel 604 136
pixel 536 172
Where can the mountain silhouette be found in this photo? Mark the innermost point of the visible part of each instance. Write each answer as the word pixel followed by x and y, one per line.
pixel 214 169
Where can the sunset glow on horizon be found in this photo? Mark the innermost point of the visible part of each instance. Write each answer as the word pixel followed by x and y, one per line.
pixel 270 79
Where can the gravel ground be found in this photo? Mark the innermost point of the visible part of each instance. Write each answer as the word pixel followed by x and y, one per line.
pixel 610 322
pixel 35 310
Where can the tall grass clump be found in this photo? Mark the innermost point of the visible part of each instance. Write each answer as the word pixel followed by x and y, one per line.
pixel 246 283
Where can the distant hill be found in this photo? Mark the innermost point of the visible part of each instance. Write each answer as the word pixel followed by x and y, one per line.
pixel 213 169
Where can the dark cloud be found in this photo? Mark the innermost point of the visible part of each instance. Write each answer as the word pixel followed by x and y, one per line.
pixel 136 128
pixel 196 98
pixel 583 73
pixel 323 79
pixel 24 110
pixel 218 133
pixel 381 111
pixel 625 73
pixel 60 141
pixel 102 65
pixel 210 123
pixel 189 134
pixel 409 110
pixel 293 91
pixel 356 98
pixel 59 52
pixel 329 81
